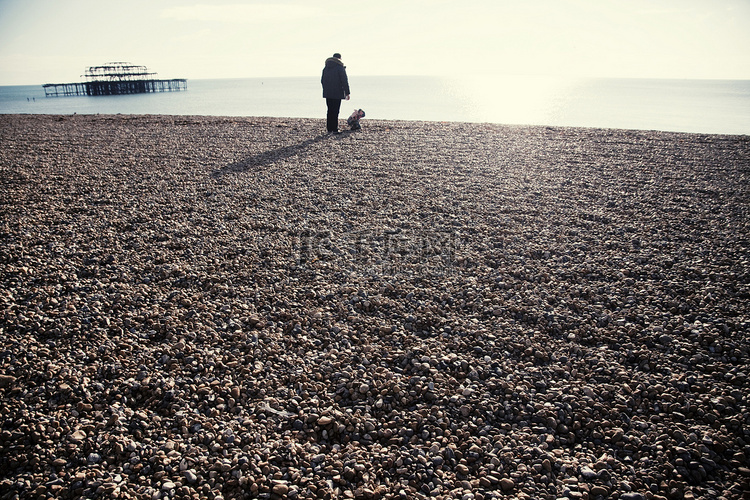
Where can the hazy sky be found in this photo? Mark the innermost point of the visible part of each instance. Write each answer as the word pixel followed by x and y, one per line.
pixel 54 41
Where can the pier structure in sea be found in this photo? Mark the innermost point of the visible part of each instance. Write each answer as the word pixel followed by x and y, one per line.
pixel 115 78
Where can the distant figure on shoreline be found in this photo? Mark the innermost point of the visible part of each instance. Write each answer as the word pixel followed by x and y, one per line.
pixel 335 88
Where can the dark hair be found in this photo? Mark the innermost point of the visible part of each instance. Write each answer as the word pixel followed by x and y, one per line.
pixel 337 55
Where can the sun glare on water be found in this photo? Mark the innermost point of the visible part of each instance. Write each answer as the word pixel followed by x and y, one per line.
pixel 511 99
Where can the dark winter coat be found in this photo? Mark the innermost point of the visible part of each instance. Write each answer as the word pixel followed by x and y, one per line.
pixel 334 80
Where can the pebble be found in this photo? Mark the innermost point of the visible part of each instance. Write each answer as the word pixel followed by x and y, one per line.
pixel 207 307
pixel 78 435
pixel 632 496
pixel 507 484
pixel 280 489
pixel 588 473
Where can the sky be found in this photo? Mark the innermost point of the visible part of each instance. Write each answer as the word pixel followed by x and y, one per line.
pixel 54 41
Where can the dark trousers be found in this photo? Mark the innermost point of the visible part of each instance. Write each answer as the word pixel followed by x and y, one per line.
pixel 332 119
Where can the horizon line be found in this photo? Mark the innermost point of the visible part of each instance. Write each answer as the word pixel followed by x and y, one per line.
pixel 465 77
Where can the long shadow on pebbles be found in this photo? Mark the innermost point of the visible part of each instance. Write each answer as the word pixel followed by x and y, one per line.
pixel 265 158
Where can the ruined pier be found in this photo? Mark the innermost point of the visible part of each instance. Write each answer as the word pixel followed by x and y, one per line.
pixel 115 79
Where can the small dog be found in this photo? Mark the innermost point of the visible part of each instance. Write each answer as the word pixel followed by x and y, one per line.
pixel 353 120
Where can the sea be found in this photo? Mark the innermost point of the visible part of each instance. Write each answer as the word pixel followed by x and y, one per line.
pixel 696 106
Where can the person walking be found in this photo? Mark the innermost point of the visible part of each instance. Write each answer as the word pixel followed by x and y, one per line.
pixel 335 88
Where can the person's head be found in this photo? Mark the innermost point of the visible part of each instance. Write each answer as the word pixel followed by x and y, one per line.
pixel 337 55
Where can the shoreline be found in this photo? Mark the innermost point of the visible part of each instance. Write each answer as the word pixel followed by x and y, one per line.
pixel 373 121
pixel 245 307
pixel 688 106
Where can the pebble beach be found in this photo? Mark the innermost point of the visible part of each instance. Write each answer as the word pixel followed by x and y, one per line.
pixel 211 307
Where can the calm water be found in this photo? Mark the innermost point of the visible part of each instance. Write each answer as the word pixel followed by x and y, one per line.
pixel 705 106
